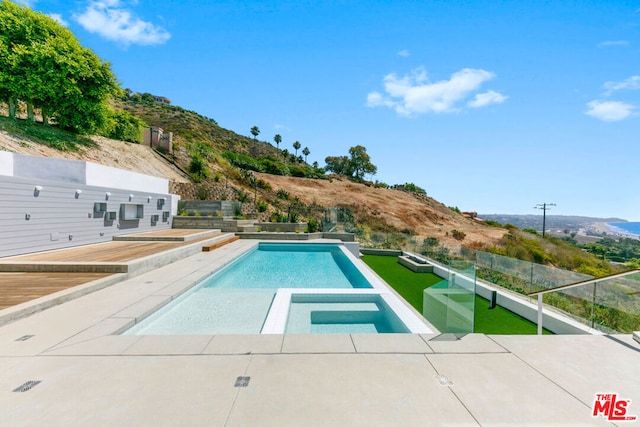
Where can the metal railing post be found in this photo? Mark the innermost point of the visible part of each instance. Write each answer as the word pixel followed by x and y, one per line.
pixel 540 314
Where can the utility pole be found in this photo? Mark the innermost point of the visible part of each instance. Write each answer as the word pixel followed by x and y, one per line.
pixel 544 207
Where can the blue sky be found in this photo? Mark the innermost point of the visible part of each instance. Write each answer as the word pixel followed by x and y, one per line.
pixel 490 106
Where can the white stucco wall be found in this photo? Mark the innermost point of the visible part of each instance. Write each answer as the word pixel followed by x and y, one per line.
pixel 105 176
pixel 6 163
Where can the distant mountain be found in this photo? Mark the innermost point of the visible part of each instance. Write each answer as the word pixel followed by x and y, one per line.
pixel 559 222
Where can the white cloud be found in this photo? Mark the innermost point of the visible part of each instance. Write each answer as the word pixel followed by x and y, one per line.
pixel 414 94
pixel 484 99
pixel 632 83
pixel 404 53
pixel 613 43
pixel 278 126
pixel 58 18
pixel 114 22
pixel 609 111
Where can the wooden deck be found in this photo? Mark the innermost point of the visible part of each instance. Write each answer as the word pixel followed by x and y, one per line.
pixel 16 288
pixel 103 252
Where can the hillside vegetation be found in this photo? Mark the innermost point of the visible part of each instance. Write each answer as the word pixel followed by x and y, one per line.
pixel 374 208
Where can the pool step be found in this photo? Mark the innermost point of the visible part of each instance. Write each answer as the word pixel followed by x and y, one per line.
pixel 219 243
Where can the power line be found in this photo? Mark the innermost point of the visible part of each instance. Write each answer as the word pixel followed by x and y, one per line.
pixel 544 207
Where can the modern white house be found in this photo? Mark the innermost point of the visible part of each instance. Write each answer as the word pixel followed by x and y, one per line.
pixel 51 203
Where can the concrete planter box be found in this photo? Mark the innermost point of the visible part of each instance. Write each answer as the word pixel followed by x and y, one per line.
pixel 415 266
pixel 280 236
pixel 283 227
pixel 381 252
pixel 209 222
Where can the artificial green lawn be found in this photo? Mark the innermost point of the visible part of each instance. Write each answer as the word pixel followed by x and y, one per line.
pixel 410 286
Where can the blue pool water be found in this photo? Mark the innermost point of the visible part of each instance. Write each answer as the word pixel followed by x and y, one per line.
pixel 337 314
pixel 237 299
pixel 290 265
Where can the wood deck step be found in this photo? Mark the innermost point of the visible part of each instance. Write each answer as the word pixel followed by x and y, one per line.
pixel 219 243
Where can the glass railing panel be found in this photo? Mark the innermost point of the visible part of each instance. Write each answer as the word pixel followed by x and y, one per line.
pixel 449 305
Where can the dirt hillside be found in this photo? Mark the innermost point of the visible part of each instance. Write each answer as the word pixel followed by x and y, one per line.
pixel 108 152
pixel 404 211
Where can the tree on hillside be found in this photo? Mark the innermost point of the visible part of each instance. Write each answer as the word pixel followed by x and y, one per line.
pixel 255 131
pixel 306 152
pixel 278 140
pixel 44 65
pixel 297 146
pixel 356 166
pixel 340 165
pixel 361 162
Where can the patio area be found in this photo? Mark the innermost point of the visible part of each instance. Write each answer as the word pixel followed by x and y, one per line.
pixel 66 365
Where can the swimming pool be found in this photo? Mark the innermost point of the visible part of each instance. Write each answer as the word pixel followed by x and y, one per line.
pixel 256 292
pixel 290 265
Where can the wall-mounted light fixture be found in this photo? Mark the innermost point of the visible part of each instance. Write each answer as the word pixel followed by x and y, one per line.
pixel 106 195
pixel 37 189
pixel 130 197
pixel 78 193
pixel 149 199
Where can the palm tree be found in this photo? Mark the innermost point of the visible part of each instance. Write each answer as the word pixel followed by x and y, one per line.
pixel 255 131
pixel 278 140
pixel 306 152
pixel 296 145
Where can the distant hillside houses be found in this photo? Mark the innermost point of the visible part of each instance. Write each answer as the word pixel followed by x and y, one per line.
pixel 136 96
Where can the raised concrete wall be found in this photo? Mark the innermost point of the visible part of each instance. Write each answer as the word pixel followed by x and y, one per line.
pixel 105 176
pixel 6 163
pixel 49 169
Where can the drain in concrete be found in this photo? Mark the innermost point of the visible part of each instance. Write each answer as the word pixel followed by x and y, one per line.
pixel 26 386
pixel 242 382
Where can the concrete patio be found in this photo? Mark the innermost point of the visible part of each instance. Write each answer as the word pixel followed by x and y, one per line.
pixel 87 375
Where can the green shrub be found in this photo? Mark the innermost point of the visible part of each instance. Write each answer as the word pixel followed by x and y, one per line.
pixel 278 217
pixel 313 225
pixel 197 167
pixel 124 126
pixel 430 242
pixel 242 196
pixel 242 161
pixel 273 167
pixel 261 206
pixel 263 185
pixel 203 193
pixel 282 194
pixel 458 235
